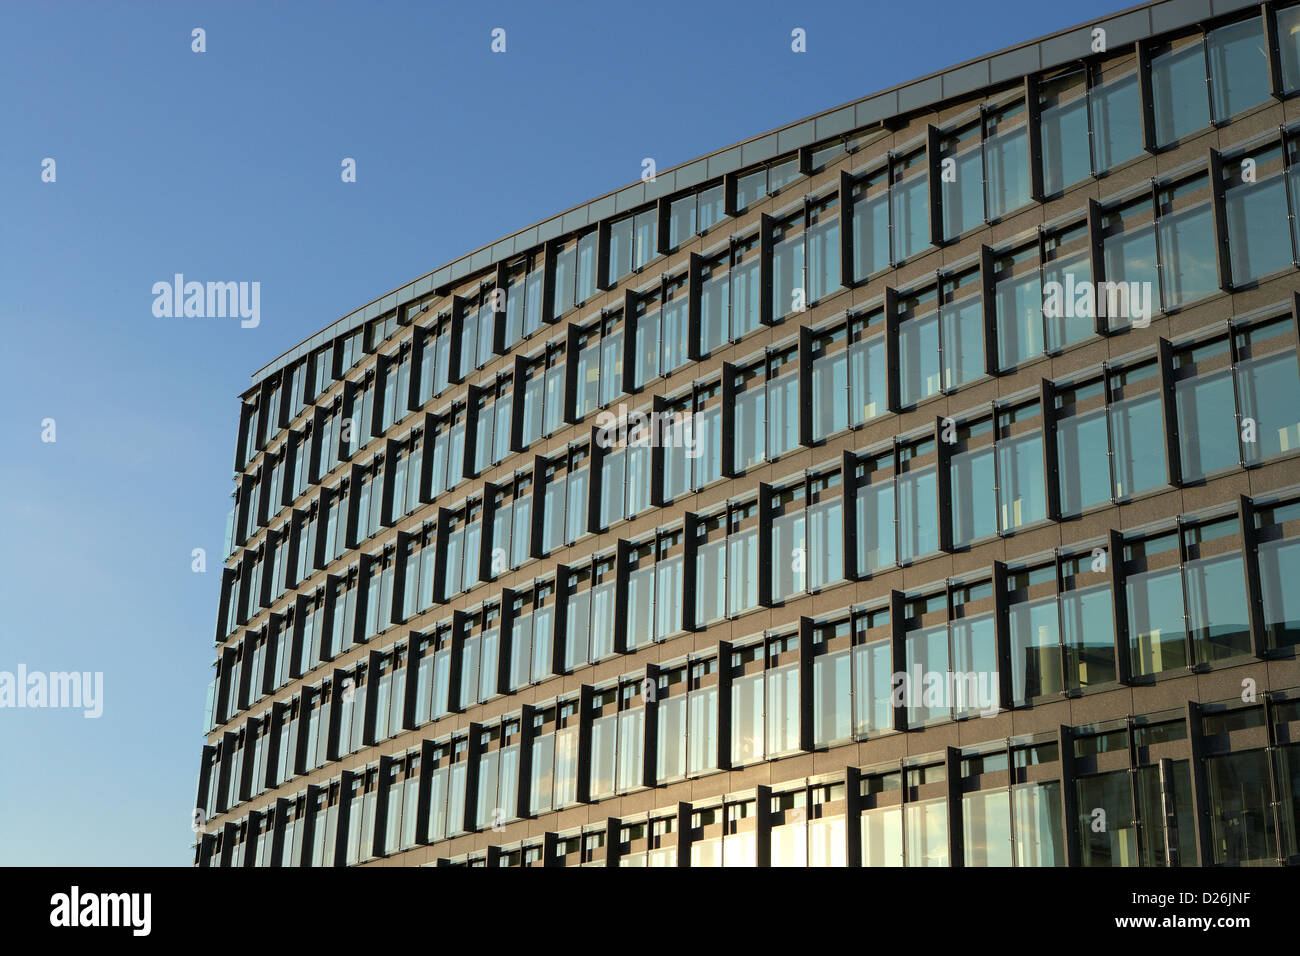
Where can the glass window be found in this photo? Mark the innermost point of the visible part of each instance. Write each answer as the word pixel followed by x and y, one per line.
pixel 1268 390
pixel 832 699
pixel 1288 33
pixel 1107 827
pixel 1203 397
pixel 1157 632
pixel 1063 130
pixel 1279 565
pixel 1021 488
pixel 986 828
pixel 1238 67
pixel 1188 265
pixel 971 473
pixel 963 181
pixel 927 832
pixel 1139 464
pixel 1081 430
pixel 1242 827
pixel 1067 278
pixel 882 836
pixel 1006 159
pixel 1018 297
pixel 1216 607
pixel 918 347
pixel 910 206
pixel 823 256
pixel 868 387
pixel 788 259
pixel 1178 88
pixel 1115 111
pixel 1259 234
pixel 871 224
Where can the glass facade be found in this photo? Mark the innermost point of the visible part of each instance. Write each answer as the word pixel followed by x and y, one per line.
pixel 1061 465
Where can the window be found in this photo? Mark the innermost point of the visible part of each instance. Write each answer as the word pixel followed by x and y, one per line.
pixel 543 394
pixel 694 214
pixel 1267 390
pixel 625 469
pixel 765 700
pixel 848 375
pixel 524 280
pixel 1018 297
pixel 1135 413
pixel 852 678
pixel 891 214
pixel 871 232
pixel 632 243
pixel 807 536
pixel 1256 213
pixel 617 737
pixel 498 775
pixel 1289 42
pixel 396 376
pixel 990 168
pixel 1279 564
pixel 1238 64
pixel 918 346
pixel 565 500
pixel 767 408
pixel 654 589
pixel 480 647
pixel 1063 130
pixel 575 273
pixel 688 720
pixel 768 180
pixel 585 355
pixel 588 594
pixel 532 636
pixel 1060 628
pixel 896 504
pixel 661 330
pixel 492 419
pixel 726 564
pixel 448 769
pixel 1188 267
pixel 1242 819
pixel 1178 89
pixel 554 775
pixel 951 635
pixel 1186 597
pixel 511 521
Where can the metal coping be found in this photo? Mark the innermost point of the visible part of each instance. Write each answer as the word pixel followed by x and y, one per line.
pixel 1056 49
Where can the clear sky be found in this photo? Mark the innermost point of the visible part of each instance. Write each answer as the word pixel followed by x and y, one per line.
pixel 225 166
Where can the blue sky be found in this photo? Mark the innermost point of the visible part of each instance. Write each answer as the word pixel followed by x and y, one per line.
pixel 225 166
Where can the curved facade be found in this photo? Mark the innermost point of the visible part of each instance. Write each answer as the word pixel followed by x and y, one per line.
pixel 913 485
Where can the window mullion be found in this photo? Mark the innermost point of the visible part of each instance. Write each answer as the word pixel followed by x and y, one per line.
pixel 1234 359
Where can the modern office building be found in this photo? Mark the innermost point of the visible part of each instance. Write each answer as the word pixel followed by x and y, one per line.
pixel 988 381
